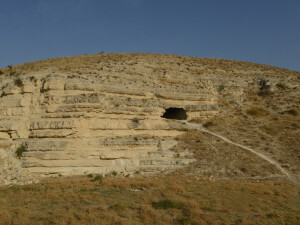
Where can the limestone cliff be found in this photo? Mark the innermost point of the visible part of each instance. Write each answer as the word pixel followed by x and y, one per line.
pixel 103 113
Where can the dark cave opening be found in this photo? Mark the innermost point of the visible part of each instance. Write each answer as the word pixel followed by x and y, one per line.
pixel 175 114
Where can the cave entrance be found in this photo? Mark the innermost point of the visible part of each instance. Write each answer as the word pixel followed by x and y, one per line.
pixel 175 114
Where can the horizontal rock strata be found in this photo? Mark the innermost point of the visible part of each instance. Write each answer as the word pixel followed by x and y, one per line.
pixel 103 120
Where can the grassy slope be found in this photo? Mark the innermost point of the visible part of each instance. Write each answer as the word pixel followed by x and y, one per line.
pixel 262 124
pixel 191 200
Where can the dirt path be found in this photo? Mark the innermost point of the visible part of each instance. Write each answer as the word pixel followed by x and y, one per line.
pixel 267 158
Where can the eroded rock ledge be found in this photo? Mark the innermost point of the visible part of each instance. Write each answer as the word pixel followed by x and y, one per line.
pixel 103 118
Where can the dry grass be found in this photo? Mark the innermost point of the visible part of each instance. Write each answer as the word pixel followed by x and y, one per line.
pixel 91 64
pixel 269 125
pixel 172 199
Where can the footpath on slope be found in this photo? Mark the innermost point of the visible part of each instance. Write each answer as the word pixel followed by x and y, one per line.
pixel 267 158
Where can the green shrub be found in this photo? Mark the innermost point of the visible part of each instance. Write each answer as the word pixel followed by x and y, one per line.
pixel 280 85
pixel 20 151
pixel 184 220
pixel 1 72
pixel 263 85
pixel 254 111
pixel 90 175
pixel 19 82
pixel 135 121
pixel 97 178
pixel 292 112
pixel 221 88
pixel 264 88
pixel 208 124
pixel 269 130
pixel 166 204
pixel 114 173
pixel 12 73
pixel 118 207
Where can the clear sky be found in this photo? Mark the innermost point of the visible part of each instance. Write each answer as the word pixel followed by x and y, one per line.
pixel 262 31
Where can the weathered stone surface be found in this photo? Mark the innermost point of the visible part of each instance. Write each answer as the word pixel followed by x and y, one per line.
pixel 104 119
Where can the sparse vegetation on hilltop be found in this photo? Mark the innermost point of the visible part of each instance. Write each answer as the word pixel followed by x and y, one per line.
pixel 19 82
pixel 193 65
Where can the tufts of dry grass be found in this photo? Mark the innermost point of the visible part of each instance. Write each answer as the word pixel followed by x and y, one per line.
pixel 172 199
pixel 269 125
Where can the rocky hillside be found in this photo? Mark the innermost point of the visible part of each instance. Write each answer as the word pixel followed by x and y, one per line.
pixel 128 113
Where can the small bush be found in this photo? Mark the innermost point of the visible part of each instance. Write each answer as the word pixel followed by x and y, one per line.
pixel 1 72
pixel 10 67
pixel 184 220
pixel 118 207
pixel 280 86
pixel 90 175
pixel 263 85
pixel 292 112
pixel 20 151
pixel 97 178
pixel 254 111
pixel 135 121
pixel 269 130
pixel 221 88
pixel 19 82
pixel 114 173
pixel 264 88
pixel 12 73
pixel 166 204
pixel 208 124
pixel 243 169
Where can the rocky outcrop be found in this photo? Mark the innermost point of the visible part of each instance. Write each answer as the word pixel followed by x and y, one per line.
pixel 102 120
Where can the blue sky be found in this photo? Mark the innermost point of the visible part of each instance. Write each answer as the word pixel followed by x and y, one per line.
pixel 262 31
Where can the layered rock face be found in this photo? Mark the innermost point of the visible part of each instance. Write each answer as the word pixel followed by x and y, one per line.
pixel 104 116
